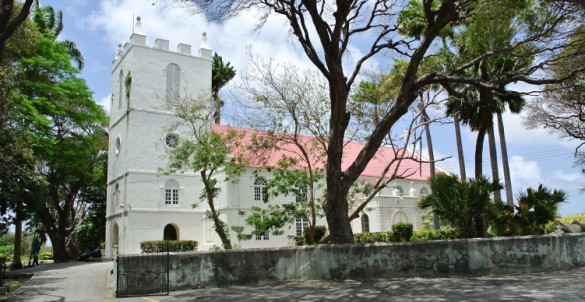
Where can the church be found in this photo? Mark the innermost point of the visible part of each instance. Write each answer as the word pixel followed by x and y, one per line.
pixel 145 204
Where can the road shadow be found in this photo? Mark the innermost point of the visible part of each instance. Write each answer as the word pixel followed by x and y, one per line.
pixel 517 287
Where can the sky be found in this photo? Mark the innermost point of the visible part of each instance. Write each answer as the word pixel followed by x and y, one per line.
pixel 97 27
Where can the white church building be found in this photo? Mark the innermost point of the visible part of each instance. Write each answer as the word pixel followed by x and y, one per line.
pixel 145 204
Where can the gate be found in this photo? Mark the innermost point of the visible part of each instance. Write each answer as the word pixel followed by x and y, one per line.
pixel 142 275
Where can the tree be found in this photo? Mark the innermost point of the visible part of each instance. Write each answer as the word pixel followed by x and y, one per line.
pixel 560 107
pixel 50 25
pixel 206 152
pixel 460 203
pixel 536 209
pixel 69 143
pixel 221 74
pixel 10 20
pixel 325 29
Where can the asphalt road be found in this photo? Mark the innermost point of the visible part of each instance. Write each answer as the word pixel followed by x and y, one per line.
pixel 89 282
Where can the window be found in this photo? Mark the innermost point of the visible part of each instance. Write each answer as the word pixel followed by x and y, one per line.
pixel 265 236
pixel 172 140
pixel 171 192
pixel 365 223
pixel 259 185
pixel 121 89
pixel 302 195
pixel 117 195
pixel 301 223
pixel 118 145
pixel 424 191
pixel 399 217
pixel 173 81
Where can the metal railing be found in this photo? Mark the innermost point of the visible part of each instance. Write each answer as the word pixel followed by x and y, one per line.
pixel 142 275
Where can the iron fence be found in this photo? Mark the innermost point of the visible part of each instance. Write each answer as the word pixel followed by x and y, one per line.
pixel 142 275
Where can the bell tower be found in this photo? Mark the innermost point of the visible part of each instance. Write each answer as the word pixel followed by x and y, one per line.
pixel 142 203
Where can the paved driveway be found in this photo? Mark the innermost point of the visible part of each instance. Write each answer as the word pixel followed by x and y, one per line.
pixel 88 282
pixel 75 281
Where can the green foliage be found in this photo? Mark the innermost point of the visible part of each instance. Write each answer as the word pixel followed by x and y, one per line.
pixel 373 237
pixel 402 231
pixel 268 221
pixel 461 204
pixel 535 212
pixel 320 231
pixel 536 209
pixel 441 234
pixel 158 246
pixel 46 256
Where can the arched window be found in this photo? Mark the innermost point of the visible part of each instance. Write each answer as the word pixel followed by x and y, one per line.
pixel 399 217
pixel 171 192
pixel 170 232
pixel 365 223
pixel 121 89
pixel 259 185
pixel 173 81
pixel 424 191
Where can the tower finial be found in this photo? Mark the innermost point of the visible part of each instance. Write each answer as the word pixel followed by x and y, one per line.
pixel 204 43
pixel 138 26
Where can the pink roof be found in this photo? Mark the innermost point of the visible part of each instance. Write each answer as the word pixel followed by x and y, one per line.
pixel 269 157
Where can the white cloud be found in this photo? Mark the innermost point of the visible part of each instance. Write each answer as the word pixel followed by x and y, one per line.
pixel 573 177
pixel 524 173
pixel 105 102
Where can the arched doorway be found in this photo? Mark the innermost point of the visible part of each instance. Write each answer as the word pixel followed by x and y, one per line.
pixel 170 232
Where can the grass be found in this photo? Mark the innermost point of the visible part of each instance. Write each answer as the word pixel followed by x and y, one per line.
pixel 13 284
pixel 568 219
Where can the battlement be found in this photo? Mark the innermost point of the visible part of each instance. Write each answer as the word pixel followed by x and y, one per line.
pixel 138 38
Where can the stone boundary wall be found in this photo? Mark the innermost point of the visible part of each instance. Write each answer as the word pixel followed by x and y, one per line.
pixel 392 260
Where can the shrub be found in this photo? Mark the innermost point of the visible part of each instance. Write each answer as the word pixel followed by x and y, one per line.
pixel 320 231
pixel 402 231
pixel 46 256
pixel 372 237
pixel 441 234
pixel 156 246
pixel 299 240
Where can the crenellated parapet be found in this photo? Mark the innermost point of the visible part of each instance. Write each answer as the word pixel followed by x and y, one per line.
pixel 138 38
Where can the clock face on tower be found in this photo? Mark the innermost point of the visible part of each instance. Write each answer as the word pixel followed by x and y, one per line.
pixel 172 140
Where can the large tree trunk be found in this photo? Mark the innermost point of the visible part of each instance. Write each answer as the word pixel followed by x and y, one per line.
pixel 505 164
pixel 336 206
pixel 494 163
pixel 457 125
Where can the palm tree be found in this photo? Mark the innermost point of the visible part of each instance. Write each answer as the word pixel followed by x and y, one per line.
pixel 221 74
pixel 50 24
pixel 460 203
pixel 537 208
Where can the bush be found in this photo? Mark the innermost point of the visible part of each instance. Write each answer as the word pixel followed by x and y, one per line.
pixel 441 234
pixel 402 231
pixel 320 231
pixel 156 246
pixel 299 240
pixel 46 256
pixel 373 237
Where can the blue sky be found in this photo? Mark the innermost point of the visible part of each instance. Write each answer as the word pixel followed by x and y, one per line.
pixel 97 27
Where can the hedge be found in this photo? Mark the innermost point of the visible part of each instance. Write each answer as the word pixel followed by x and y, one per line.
pixel 156 246
pixel 442 234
